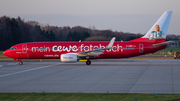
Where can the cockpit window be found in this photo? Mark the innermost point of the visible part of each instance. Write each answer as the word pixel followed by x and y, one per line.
pixel 13 48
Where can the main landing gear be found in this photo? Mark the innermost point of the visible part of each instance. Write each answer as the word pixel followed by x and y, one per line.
pixel 88 62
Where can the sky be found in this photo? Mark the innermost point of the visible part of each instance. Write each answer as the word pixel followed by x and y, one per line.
pixel 134 16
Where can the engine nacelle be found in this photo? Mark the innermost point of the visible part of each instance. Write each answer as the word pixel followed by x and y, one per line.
pixel 69 58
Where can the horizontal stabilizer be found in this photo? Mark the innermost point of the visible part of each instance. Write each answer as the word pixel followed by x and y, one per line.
pixel 164 43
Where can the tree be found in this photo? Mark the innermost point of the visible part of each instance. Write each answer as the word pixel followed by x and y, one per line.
pixel 16 32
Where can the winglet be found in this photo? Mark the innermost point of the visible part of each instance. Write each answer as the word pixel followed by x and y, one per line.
pixel 111 43
pixel 98 51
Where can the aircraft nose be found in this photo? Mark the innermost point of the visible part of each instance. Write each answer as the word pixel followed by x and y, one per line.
pixel 6 53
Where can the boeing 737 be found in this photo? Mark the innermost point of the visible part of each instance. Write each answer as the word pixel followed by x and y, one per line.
pixel 68 52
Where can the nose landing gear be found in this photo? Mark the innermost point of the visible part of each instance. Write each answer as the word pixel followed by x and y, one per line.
pixel 20 62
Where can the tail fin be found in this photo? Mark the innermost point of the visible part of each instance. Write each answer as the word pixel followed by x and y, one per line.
pixel 158 31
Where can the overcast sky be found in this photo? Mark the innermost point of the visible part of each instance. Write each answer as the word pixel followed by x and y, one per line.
pixel 136 16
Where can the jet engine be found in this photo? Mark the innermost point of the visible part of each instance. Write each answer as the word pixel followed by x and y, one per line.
pixel 69 58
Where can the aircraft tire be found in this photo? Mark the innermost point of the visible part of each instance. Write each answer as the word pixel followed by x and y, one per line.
pixel 20 62
pixel 88 62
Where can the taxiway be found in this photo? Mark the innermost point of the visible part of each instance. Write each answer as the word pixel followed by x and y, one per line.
pixel 126 76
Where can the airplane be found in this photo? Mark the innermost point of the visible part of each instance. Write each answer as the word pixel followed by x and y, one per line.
pixel 69 52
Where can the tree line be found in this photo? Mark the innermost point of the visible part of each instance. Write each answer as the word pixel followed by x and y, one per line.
pixel 16 30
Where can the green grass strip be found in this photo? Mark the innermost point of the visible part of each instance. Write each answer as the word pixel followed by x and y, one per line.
pixel 86 97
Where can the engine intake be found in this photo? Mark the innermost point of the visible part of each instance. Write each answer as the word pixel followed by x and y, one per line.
pixel 69 58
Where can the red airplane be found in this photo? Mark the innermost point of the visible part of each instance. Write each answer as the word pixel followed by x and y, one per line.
pixel 68 52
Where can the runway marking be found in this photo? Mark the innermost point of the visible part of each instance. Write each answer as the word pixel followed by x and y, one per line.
pixel 11 64
pixel 27 70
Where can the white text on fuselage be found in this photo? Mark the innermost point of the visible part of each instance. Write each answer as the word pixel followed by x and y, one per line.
pixel 74 48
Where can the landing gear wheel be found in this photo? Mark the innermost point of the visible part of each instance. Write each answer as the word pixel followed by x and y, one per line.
pixel 20 62
pixel 88 62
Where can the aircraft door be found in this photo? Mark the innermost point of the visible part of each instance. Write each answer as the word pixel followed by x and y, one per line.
pixel 141 48
pixel 24 48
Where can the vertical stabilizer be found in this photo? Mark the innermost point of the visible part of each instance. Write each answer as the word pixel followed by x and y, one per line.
pixel 160 28
pixel 158 31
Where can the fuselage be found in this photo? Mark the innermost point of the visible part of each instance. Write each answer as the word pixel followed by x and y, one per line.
pixel 53 50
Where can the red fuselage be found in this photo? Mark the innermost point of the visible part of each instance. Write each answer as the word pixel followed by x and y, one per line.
pixel 53 50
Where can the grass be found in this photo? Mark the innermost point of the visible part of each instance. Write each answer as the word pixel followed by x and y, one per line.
pixel 85 97
pixel 1 54
pixel 161 54
pixel 166 50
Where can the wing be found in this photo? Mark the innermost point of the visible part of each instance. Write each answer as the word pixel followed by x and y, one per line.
pixel 97 51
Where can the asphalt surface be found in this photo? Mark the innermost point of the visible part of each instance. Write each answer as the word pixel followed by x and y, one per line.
pixel 125 76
